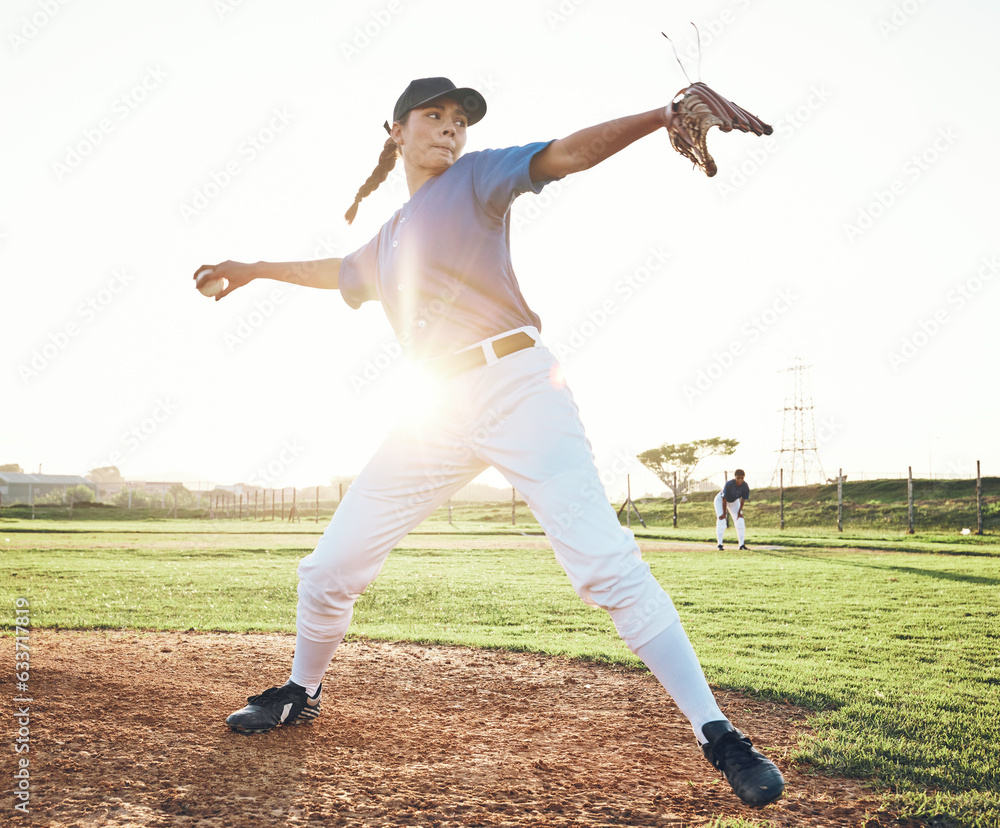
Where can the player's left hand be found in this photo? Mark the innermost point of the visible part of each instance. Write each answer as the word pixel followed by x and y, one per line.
pixel 697 108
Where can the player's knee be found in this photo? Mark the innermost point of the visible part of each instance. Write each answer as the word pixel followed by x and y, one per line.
pixel 645 618
pixel 321 623
pixel 615 582
pixel 325 588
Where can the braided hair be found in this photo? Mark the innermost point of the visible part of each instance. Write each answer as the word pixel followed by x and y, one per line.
pixel 386 161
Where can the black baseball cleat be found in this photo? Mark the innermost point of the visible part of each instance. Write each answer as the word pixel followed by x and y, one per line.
pixel 754 778
pixel 720 547
pixel 285 705
pixel 745 548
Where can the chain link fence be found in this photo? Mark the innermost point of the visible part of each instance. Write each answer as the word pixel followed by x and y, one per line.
pixel 893 500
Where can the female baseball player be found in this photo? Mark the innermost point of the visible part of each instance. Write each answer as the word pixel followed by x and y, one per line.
pixel 441 267
pixel 734 494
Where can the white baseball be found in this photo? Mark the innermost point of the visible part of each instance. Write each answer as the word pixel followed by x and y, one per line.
pixel 211 287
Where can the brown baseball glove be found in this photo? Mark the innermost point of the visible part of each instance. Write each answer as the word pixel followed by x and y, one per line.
pixel 696 109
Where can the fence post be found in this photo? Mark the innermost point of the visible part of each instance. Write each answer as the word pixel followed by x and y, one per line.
pixel 725 509
pixel 979 501
pixel 317 504
pixel 909 499
pixel 781 498
pixel 628 500
pixel 840 500
pixel 675 500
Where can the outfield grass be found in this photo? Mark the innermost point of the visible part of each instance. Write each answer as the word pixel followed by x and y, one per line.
pixel 894 647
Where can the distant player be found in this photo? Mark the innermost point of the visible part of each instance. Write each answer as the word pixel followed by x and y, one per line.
pixel 734 494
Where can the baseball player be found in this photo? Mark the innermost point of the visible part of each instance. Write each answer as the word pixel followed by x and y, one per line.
pixel 441 269
pixel 734 494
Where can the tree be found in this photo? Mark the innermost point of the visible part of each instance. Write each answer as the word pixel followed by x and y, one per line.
pixel 183 498
pixel 11 467
pixel 73 494
pixel 137 499
pixel 681 458
pixel 80 494
pixel 106 474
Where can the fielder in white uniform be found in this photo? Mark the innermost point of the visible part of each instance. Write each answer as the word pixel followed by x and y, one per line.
pixel 441 269
pixel 734 494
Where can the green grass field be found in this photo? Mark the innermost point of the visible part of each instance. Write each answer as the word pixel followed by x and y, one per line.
pixel 890 640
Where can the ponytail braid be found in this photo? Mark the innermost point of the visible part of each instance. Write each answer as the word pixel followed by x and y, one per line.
pixel 386 161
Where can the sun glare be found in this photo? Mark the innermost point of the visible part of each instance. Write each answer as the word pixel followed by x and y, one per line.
pixel 421 391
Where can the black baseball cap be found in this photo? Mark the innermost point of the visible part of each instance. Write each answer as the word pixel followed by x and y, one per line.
pixel 424 90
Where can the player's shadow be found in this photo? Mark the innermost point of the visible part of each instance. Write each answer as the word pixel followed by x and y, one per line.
pixel 903 570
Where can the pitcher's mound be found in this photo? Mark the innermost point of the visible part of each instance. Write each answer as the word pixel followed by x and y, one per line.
pixel 127 729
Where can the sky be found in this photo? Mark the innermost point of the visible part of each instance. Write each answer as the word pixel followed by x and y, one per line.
pixel 859 240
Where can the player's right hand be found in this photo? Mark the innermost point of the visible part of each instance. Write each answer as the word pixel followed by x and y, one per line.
pixel 236 274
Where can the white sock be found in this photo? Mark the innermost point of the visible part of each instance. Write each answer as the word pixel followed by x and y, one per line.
pixel 720 529
pixel 311 660
pixel 671 658
pixel 741 530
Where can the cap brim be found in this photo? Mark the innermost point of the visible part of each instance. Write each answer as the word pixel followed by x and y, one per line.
pixel 471 101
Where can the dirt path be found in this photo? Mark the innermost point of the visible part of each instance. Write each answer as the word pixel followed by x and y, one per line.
pixel 127 729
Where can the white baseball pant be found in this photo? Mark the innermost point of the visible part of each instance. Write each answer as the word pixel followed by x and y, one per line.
pixel 734 511
pixel 517 416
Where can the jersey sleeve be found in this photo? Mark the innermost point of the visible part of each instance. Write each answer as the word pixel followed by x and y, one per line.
pixel 357 275
pixel 501 175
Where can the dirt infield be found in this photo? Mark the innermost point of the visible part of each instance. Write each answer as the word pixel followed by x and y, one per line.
pixel 127 729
